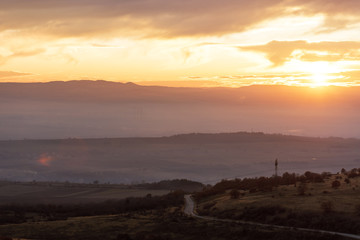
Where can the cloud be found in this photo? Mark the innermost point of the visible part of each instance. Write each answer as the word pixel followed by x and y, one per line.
pixel 258 79
pixel 345 78
pixel 338 14
pixel 21 53
pixel 11 74
pixel 352 75
pixel 27 53
pixel 163 18
pixel 278 52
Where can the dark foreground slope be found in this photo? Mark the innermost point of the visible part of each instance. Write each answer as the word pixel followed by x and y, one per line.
pixel 76 193
pixel 149 218
pixel 154 225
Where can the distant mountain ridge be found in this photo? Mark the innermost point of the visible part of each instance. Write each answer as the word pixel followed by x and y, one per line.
pixel 222 137
pixel 105 91
pixel 95 109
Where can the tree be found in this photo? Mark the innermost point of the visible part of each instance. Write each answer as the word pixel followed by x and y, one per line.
pixel 302 188
pixel 335 184
pixel 234 194
pixel 288 178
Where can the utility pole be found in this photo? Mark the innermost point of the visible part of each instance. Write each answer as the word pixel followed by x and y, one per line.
pixel 276 167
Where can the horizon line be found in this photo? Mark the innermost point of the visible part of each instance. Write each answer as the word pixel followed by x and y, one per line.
pixel 143 84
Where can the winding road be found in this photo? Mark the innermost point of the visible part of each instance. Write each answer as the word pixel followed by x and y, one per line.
pixel 189 209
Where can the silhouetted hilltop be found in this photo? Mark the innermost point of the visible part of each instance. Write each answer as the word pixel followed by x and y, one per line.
pixel 187 138
pixel 105 91
pixel 242 137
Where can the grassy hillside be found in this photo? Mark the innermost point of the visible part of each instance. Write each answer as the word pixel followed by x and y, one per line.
pixel 162 218
pixel 332 203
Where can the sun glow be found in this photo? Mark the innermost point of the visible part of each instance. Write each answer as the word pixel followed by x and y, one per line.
pixel 321 74
pixel 319 80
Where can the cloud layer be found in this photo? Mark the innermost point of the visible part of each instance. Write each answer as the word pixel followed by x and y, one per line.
pixel 162 40
pixel 278 52
pixel 10 74
pixel 161 18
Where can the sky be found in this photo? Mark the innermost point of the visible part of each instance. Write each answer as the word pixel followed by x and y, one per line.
pixel 197 43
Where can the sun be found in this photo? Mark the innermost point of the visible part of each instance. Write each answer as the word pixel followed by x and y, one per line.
pixel 320 74
pixel 317 74
pixel 319 80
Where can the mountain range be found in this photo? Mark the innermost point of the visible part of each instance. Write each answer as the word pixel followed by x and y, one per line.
pixel 98 109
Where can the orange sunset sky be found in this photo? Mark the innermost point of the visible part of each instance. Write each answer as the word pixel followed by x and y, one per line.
pixel 200 43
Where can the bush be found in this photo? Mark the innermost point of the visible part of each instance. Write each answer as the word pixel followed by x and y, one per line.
pixel 252 190
pixel 335 184
pixel 301 189
pixel 234 194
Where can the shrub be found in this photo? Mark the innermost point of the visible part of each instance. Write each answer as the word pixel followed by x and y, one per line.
pixel 234 194
pixel 335 184
pixel 252 190
pixel 301 189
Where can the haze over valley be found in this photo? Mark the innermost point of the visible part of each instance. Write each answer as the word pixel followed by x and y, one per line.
pixel 98 109
pixel 207 158
pixel 131 128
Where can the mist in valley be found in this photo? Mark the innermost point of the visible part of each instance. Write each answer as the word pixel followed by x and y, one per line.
pixel 134 123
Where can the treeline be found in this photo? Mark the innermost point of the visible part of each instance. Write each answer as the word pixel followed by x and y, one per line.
pixel 241 137
pixel 172 185
pixel 176 184
pixel 355 172
pixel 16 213
pixel 261 183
